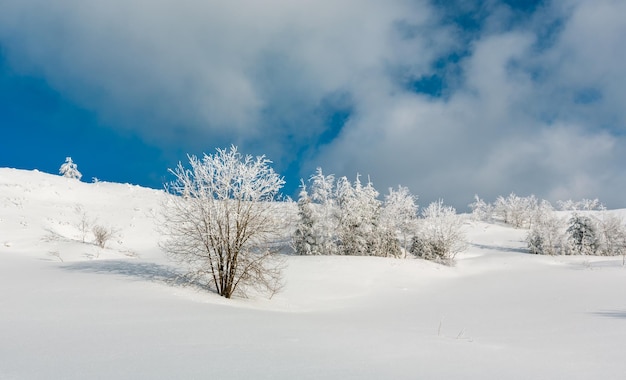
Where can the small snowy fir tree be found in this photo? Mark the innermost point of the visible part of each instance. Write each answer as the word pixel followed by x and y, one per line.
pixel 304 237
pixel 359 211
pixel 398 216
pixel 370 207
pixel 324 213
pixel 581 235
pixel 351 242
pixel 69 169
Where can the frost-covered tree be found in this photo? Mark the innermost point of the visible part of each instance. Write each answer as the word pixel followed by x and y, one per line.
pixel 350 241
pixel 481 211
pixel 515 210
pixel 344 196
pixel 359 211
pixel 440 235
pixel 611 233
pixel 595 233
pixel 581 235
pixel 399 215
pixel 582 205
pixel 324 213
pixel 220 222
pixel 369 207
pixel 69 169
pixel 347 218
pixel 546 235
pixel 305 242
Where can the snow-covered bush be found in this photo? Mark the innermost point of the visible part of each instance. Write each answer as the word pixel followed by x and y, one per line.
pixel 542 210
pixel 612 235
pixel 546 235
pixel 581 236
pixel 102 235
pixel 481 211
pixel 440 235
pixel 220 222
pixel 604 234
pixel 593 233
pixel 516 211
pixel 388 244
pixel 69 169
pixel 582 205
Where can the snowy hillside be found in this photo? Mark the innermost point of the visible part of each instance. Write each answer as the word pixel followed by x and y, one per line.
pixel 72 310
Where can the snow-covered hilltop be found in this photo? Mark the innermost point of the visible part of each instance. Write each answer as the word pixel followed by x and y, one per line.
pixel 71 309
pixel 52 215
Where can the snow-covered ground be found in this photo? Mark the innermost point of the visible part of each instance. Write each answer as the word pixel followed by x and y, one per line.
pixel 71 310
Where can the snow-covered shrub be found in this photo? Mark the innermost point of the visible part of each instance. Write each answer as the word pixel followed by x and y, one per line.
pixel 581 236
pixel 516 211
pixel 546 235
pixel 594 233
pixel 69 169
pixel 582 205
pixel 102 235
pixel 481 211
pixel 612 235
pixel 542 210
pixel 388 244
pixel 440 235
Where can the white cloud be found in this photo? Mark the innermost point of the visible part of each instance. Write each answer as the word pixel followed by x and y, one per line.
pixel 204 64
pixel 532 111
pixel 510 127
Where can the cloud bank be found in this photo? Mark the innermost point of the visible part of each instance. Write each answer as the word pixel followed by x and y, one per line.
pixel 449 98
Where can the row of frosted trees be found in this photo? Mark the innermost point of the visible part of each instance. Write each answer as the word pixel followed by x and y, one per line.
pixel 575 228
pixel 339 217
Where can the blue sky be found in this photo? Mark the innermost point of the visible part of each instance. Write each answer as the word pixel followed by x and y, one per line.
pixel 449 98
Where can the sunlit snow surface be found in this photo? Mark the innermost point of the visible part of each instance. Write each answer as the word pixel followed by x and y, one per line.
pixel 70 310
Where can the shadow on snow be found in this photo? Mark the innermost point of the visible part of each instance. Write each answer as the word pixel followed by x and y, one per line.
pixel 137 270
pixel 500 248
pixel 611 314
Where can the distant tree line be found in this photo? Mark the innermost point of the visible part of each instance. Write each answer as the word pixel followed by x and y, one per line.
pixel 575 228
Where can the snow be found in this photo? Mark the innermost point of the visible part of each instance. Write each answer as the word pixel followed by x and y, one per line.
pixel 71 310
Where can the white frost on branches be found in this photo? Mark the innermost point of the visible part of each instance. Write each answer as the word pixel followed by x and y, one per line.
pixel 221 223
pixel 399 214
pixel 440 234
pixel 344 218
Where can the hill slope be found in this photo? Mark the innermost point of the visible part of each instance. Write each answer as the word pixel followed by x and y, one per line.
pixel 72 310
